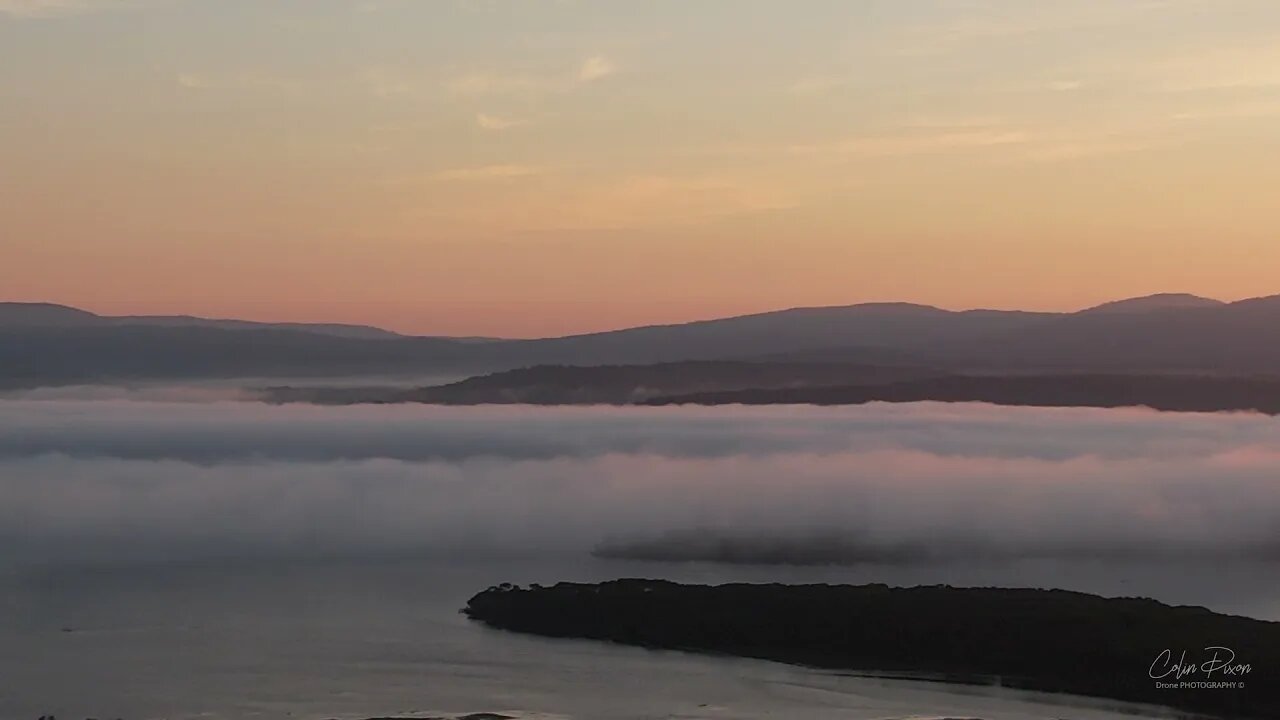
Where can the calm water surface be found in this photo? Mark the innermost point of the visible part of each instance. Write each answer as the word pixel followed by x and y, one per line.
pixel 353 640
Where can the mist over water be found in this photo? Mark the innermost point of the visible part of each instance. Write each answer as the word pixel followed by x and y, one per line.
pixel 170 557
pixel 123 481
pixel 219 389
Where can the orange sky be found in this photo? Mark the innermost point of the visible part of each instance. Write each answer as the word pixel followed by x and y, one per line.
pixel 486 168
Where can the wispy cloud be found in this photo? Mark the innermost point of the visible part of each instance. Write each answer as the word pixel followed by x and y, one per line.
pixel 647 200
pixel 44 8
pixel 494 122
pixel 1232 68
pixel 955 121
pixel 1073 149
pixel 247 80
pixel 987 136
pixel 58 8
pixel 561 201
pixel 1065 85
pixel 388 83
pixel 817 84
pixel 981 23
pixel 489 172
pixel 494 83
pixel 655 200
pixel 594 68
pixel 1242 110
pixel 915 143
pixel 489 82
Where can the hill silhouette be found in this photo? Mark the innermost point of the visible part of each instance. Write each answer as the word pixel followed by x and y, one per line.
pixel 1150 303
pixel 29 315
pixel 50 344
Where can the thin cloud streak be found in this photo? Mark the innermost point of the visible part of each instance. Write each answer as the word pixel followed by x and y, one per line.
pixel 594 68
pixel 983 23
pixel 493 122
pixel 888 145
pixel 1219 69
pixel 250 80
pixel 57 8
pixel 489 172
pixel 497 83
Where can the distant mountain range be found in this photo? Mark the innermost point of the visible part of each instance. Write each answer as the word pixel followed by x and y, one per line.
pixel 43 344
pixel 20 315
pixel 1149 303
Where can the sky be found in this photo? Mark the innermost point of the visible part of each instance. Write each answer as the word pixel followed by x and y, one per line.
pixel 480 167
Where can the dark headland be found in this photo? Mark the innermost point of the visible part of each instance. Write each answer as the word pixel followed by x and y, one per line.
pixel 1047 640
pixel 728 383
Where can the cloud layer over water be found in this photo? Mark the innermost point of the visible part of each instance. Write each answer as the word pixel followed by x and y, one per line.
pixel 126 480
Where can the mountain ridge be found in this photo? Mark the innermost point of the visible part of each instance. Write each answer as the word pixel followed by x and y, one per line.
pixel 44 314
pixel 48 343
pixel 1154 303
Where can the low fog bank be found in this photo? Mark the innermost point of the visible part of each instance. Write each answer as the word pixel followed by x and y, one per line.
pixel 157 393
pixel 212 433
pixel 130 481
pixel 239 389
